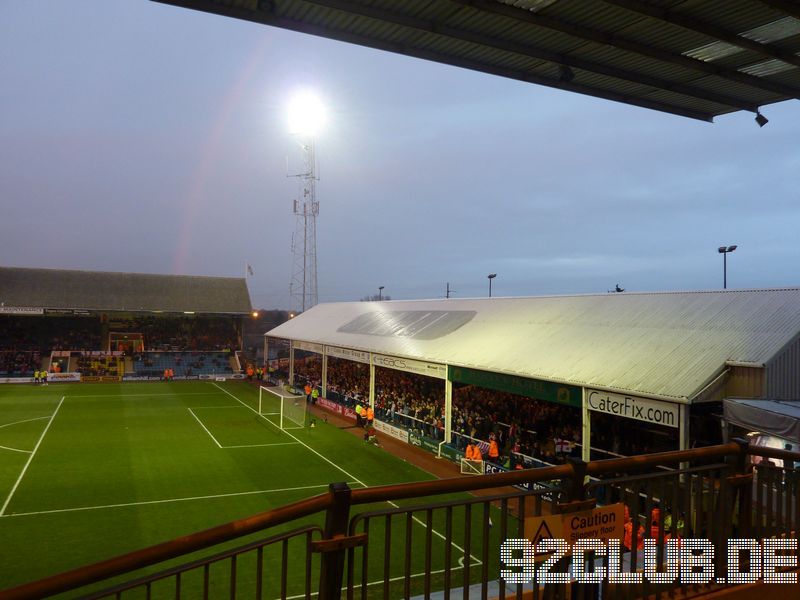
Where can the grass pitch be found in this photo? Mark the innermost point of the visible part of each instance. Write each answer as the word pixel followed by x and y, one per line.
pixel 89 471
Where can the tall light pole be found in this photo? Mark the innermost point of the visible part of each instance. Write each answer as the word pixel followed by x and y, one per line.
pixel 725 250
pixel 306 118
pixel 380 292
pixel 491 276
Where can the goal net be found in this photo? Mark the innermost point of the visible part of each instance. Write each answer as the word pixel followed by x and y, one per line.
pixel 471 467
pixel 289 408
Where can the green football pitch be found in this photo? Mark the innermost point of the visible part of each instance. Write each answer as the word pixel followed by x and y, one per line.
pixel 89 471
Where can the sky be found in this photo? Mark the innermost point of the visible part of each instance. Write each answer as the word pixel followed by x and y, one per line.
pixel 140 137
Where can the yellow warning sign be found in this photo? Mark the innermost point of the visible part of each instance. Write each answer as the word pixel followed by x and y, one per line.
pixel 604 523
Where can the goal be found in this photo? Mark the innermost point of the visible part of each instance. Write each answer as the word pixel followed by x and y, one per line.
pixel 291 408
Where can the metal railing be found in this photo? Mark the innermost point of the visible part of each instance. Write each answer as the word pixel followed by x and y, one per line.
pixel 400 541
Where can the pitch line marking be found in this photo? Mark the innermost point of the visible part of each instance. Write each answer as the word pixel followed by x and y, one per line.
pixel 143 394
pixel 15 449
pixel 361 483
pixel 205 428
pixel 398 578
pixel 23 421
pixel 166 501
pixel 261 445
pixel 30 458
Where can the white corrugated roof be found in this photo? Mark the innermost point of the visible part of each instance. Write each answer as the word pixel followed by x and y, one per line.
pixel 655 344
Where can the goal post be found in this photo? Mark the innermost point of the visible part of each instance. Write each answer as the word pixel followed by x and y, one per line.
pixel 290 408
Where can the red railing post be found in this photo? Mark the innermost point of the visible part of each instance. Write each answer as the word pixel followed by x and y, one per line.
pixel 336 518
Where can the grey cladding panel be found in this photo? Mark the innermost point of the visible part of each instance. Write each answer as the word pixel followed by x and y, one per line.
pixel 416 324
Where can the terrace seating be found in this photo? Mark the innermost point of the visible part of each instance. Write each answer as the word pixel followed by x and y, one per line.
pixel 184 364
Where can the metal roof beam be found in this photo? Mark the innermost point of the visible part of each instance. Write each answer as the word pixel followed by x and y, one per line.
pixel 708 29
pixel 787 6
pixel 440 28
pixel 611 39
pixel 266 15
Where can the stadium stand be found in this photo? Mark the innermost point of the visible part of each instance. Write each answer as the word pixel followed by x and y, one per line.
pixel 184 364
pixel 84 321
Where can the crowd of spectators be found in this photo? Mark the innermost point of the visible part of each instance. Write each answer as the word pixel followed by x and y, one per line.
pixel 167 334
pixel 19 363
pixel 100 366
pixel 307 368
pixel 411 401
pixel 43 334
pixel 524 428
pixel 348 381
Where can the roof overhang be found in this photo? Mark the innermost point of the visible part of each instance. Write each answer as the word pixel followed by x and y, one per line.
pixel 693 58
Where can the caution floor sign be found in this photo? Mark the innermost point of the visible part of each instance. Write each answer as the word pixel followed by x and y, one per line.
pixel 604 523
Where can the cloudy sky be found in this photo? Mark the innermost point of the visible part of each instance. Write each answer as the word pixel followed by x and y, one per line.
pixel 141 137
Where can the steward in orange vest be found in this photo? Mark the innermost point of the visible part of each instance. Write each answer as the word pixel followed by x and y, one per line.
pixel 494 451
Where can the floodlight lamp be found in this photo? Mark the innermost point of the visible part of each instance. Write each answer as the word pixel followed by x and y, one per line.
pixel 492 275
pixel 761 119
pixel 255 314
pixel 306 114
pixel 565 74
pixel 732 248
pixel 721 249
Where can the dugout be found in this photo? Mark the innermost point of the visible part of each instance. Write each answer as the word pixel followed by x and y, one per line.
pixel 658 363
pixel 120 312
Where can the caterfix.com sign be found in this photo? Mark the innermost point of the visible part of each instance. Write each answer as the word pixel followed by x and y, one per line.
pixel 634 407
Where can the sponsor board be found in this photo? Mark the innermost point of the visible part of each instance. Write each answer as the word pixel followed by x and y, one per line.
pixel 548 391
pixel 451 453
pixel 551 495
pixel 140 378
pixel 308 346
pixel 20 310
pixel 347 354
pixel 63 377
pixel 16 379
pixel 648 410
pixel 411 366
pixel 100 378
pixel 391 430
pixel 336 408
pixel 424 442
pixel 604 523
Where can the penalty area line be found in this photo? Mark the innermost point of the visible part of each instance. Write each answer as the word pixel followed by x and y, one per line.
pixel 15 449
pixel 30 458
pixel 23 421
pixel 204 428
pixel 165 501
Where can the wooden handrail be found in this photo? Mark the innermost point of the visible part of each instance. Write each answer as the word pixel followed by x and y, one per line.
pixel 125 563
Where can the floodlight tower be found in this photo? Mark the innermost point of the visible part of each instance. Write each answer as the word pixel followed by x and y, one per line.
pixel 305 119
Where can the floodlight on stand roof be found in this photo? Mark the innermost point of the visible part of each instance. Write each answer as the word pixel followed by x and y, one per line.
pixel 565 74
pixel 306 114
pixel 761 119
